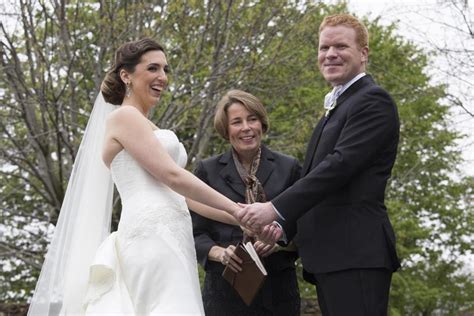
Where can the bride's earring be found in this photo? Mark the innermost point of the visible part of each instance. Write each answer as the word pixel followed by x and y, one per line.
pixel 128 89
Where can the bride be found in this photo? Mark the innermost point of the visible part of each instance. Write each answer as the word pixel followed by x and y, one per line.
pixel 148 266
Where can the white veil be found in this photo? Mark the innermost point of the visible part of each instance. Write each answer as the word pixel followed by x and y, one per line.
pixel 84 222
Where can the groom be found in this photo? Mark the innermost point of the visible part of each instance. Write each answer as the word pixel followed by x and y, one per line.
pixel 344 236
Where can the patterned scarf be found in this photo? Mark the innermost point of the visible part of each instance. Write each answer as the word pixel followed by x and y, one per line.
pixel 253 188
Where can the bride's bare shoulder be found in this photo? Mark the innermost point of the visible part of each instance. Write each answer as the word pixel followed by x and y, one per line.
pixel 124 112
pixel 125 115
pixel 122 124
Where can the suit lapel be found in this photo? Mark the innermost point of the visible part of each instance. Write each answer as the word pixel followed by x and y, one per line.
pixel 355 87
pixel 232 178
pixel 230 175
pixel 266 166
pixel 313 144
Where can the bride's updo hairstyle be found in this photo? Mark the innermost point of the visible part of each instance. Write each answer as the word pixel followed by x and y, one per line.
pixel 127 57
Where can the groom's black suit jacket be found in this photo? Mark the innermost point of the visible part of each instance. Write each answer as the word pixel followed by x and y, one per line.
pixel 337 208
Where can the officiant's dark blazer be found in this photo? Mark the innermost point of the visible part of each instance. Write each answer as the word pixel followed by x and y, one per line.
pixel 337 208
pixel 276 172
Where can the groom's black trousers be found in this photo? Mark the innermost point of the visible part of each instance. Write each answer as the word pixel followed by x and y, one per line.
pixel 354 292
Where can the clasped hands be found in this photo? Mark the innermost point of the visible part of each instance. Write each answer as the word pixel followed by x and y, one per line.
pixel 257 219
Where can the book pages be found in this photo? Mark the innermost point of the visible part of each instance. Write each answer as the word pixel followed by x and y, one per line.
pixel 253 254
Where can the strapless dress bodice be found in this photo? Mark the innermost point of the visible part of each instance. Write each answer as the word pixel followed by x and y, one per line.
pixel 133 181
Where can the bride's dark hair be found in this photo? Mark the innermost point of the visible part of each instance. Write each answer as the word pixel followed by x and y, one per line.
pixel 127 57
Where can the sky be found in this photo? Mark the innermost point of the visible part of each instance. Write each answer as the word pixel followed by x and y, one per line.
pixel 436 23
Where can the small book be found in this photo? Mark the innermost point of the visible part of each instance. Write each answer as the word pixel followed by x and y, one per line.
pixel 247 282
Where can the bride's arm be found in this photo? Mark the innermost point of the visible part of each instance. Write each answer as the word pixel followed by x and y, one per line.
pixel 210 212
pixel 131 129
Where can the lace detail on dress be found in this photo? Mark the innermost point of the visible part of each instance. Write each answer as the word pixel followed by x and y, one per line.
pixel 171 220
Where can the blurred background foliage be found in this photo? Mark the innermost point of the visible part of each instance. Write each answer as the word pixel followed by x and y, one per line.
pixel 54 54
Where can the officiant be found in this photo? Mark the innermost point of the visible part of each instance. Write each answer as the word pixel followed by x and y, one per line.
pixel 248 172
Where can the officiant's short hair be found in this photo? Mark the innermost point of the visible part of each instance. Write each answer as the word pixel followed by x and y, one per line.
pixel 249 101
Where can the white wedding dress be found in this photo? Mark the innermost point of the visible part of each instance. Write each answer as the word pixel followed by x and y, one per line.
pixel 148 266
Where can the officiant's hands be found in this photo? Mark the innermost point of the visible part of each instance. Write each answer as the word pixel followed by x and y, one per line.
pixel 227 257
pixel 263 249
pixel 270 234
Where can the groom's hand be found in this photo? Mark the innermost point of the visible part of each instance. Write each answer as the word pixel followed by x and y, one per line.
pixel 255 216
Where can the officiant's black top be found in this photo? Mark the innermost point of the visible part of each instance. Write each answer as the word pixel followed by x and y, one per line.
pixel 279 295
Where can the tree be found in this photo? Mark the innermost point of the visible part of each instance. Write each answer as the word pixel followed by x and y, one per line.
pixel 432 211
pixel 52 71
